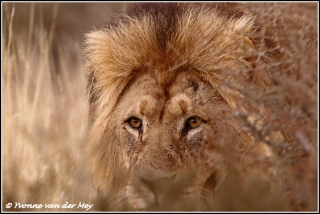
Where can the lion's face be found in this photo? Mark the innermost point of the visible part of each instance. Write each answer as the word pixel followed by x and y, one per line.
pixel 167 125
pixel 163 88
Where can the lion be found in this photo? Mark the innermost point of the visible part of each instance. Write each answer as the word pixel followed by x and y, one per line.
pixel 166 85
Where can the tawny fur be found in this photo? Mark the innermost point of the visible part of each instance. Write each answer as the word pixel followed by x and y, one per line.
pixel 219 43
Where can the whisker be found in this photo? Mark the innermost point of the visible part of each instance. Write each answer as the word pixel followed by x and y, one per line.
pixel 118 200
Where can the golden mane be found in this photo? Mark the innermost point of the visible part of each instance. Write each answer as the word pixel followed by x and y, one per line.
pixel 201 37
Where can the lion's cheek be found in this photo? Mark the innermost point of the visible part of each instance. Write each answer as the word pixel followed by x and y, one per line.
pixel 125 147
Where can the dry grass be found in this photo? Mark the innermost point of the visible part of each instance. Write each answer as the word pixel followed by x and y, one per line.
pixel 44 113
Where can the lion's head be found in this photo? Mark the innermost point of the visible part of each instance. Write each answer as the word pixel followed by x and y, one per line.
pixel 164 81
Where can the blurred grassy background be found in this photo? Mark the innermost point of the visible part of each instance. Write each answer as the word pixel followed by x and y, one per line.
pixel 44 104
pixel 44 101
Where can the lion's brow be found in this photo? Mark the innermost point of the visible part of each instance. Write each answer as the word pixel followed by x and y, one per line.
pixel 142 107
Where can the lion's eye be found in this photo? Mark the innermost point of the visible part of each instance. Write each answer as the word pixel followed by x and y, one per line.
pixel 135 123
pixel 193 122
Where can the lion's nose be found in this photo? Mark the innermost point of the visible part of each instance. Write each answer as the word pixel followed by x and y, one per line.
pixel 158 185
pixel 162 189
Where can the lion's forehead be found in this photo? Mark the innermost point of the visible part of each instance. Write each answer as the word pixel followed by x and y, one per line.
pixel 154 98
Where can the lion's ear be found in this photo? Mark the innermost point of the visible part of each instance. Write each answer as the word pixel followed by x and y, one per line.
pixel 250 56
pixel 248 42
